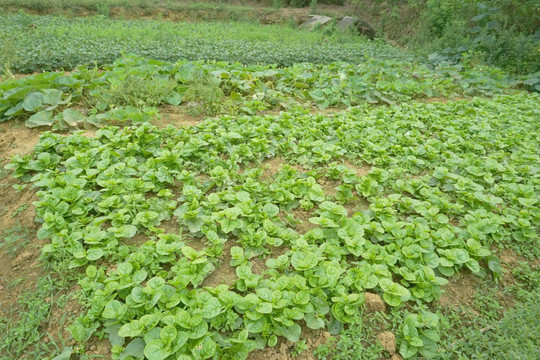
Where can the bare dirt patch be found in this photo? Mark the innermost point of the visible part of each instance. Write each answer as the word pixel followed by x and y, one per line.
pixel 329 186
pixel 224 273
pixel 273 165
pixel 358 204
pixel 361 170
pixel 303 216
pixel 284 348
pixel 16 139
pixel 16 207
pixel 388 341
pixel 441 100
pixel 173 115
pixel 21 269
pixel 460 289
pixel 259 263
pixel 373 302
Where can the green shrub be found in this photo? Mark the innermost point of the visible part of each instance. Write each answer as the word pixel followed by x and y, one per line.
pixel 501 34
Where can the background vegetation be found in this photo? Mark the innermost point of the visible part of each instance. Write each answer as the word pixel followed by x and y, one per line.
pixel 335 170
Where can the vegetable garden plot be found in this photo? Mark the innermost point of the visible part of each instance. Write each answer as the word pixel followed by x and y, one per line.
pixel 44 43
pixel 129 90
pixel 479 188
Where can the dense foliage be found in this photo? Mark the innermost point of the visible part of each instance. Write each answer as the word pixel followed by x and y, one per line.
pixel 502 33
pixel 48 98
pixel 151 214
pixel 50 43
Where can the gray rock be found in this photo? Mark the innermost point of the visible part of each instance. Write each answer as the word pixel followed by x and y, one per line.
pixel 316 20
pixel 346 22
pixel 361 26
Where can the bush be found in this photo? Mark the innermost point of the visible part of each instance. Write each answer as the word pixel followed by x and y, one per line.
pixel 501 34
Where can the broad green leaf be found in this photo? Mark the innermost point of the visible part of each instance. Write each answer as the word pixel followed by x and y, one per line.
pixel 156 350
pixel 42 118
pixel 135 349
pixel 72 117
pixel 33 101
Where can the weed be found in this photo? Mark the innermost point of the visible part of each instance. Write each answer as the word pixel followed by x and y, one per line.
pixel 103 9
pixel 8 56
pixel 19 210
pixel 486 302
pixel 527 278
pixel 357 341
pixel 204 95
pixel 515 335
pixel 20 329
pixel 137 91
pixel 14 238
pixel 299 348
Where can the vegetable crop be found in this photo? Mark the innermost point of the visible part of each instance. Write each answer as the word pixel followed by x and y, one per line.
pixel 133 86
pixel 148 215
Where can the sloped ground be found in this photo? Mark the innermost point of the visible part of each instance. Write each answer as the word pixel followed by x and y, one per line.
pixel 486 147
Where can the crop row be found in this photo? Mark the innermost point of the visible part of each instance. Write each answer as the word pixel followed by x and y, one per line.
pixel 41 43
pixel 444 183
pixel 215 88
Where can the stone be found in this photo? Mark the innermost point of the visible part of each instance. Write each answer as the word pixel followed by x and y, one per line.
pixel 346 22
pixel 373 302
pixel 388 341
pixel 22 258
pixel 316 20
pixel 361 26
pixel 395 357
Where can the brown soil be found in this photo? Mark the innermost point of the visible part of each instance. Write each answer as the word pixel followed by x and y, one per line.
pixel 24 264
pixel 284 349
pixel 303 216
pixel 274 165
pixel 329 186
pixel 224 273
pixel 361 170
pixel 388 341
pixel 20 271
pixel 460 289
pixel 177 117
pixel 183 12
pixel 374 302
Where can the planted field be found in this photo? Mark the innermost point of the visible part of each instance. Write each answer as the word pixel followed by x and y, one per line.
pixel 324 211
pixel 43 43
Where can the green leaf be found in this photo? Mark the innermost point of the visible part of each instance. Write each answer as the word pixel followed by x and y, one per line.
pixel 52 97
pixel 42 118
pixel 112 309
pixel 65 354
pixel 313 322
pixel 114 338
pixel 205 350
pixel 79 332
pixel 272 340
pixel 168 334
pixel 33 101
pixel 131 329
pixel 174 98
pixel 406 350
pixel 156 350
pixel 292 333
pixel 135 349
pixel 72 117
pixel 94 253
pixel 271 210
pixel 212 308
pixel 264 308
